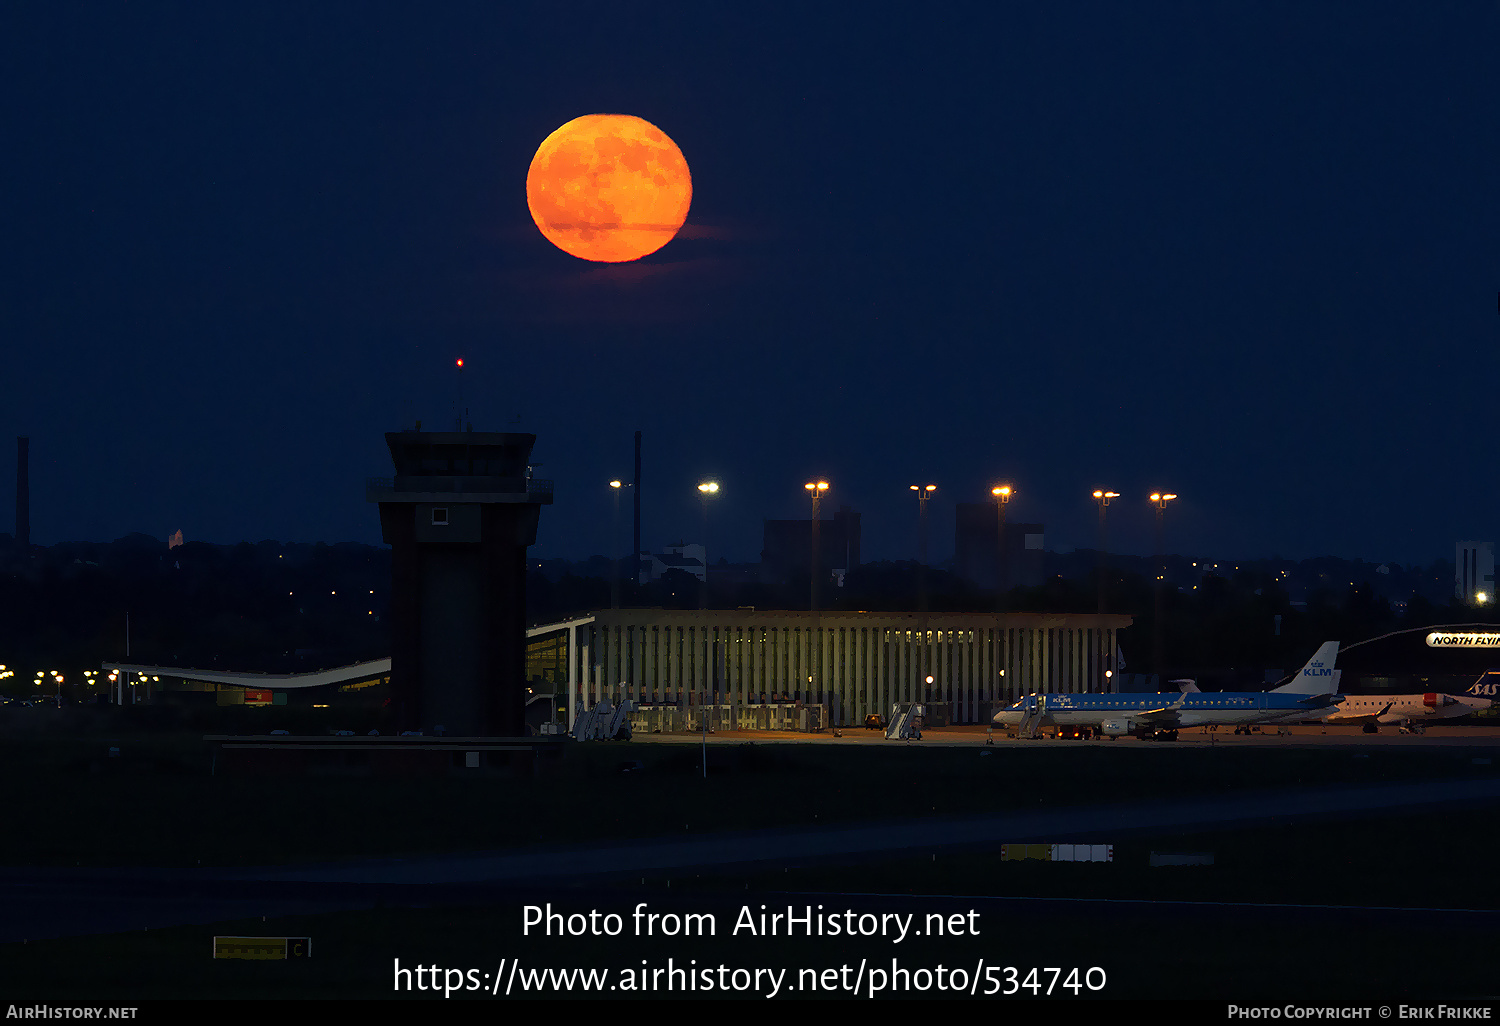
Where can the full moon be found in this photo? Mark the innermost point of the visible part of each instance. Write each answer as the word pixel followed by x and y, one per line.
pixel 609 187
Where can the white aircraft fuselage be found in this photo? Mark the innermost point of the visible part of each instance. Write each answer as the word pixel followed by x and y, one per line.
pixel 1391 709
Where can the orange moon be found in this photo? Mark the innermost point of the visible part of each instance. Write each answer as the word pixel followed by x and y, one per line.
pixel 609 187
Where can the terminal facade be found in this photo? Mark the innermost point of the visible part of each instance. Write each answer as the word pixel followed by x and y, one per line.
pixel 850 664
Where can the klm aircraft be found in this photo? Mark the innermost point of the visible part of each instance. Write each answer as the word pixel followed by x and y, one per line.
pixel 1312 690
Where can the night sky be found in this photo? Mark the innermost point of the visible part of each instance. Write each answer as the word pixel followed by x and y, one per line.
pixel 1244 252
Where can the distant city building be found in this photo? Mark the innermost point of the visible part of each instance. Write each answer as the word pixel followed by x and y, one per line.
pixel 690 559
pixel 976 533
pixel 786 550
pixel 1474 572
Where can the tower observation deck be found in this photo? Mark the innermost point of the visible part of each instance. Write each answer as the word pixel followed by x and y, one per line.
pixel 459 516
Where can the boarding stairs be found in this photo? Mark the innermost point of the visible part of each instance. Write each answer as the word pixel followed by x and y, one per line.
pixel 1036 712
pixel 604 722
pixel 906 722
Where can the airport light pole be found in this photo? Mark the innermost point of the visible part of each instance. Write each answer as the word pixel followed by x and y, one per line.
pixel 614 543
pixel 1103 497
pixel 923 494
pixel 706 489
pixel 1159 500
pixel 816 489
pixel 1002 494
pixel 1102 667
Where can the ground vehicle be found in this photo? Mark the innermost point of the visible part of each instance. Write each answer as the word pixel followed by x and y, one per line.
pixel 1074 732
pixel 874 721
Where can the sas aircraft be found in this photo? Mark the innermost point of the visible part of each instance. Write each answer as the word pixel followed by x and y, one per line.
pixel 1159 715
pixel 1411 712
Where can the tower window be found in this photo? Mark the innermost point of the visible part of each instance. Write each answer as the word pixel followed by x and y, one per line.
pixel 440 517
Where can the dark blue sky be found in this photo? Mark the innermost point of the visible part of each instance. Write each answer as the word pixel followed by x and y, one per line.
pixel 1245 252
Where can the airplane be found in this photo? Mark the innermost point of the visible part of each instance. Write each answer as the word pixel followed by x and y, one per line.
pixel 1410 712
pixel 1160 715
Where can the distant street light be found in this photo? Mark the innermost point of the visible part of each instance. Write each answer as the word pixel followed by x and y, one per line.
pixel 1002 494
pixel 614 544
pixel 1159 500
pixel 923 494
pixel 1103 497
pixel 706 489
pixel 816 488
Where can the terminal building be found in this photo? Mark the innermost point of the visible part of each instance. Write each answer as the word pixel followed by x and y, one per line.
pixel 747 665
pixel 746 669
pixel 752 668
pixel 364 685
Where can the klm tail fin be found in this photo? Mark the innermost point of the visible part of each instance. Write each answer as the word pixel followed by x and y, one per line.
pixel 1318 677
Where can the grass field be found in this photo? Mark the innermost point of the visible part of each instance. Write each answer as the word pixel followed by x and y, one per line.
pixel 1191 951
pixel 158 804
pixel 1252 924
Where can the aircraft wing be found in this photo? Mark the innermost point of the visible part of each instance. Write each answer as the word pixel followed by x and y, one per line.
pixel 1352 717
pixel 1163 714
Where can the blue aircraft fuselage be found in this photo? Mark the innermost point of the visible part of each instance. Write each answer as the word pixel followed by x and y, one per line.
pixel 1161 710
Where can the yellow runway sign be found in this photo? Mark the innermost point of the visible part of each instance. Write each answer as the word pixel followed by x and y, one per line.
pixel 263 947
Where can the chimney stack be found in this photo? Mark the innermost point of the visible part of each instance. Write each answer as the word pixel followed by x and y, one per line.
pixel 23 492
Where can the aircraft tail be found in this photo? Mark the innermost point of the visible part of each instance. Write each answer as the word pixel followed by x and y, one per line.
pixel 1317 677
pixel 1487 686
pixel 1187 685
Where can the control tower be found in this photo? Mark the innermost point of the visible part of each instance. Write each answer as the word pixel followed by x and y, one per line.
pixel 458 516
